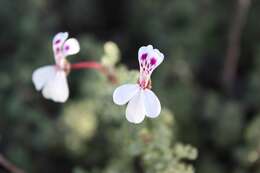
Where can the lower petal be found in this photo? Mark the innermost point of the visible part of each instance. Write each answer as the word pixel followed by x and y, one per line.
pixel 124 93
pixel 135 112
pixel 42 75
pixel 57 88
pixel 152 104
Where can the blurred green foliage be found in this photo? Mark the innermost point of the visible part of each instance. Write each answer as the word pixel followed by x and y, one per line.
pixel 89 134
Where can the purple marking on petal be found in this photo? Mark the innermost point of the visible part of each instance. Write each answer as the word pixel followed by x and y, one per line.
pixel 57 41
pixel 67 47
pixel 57 50
pixel 144 56
pixel 153 61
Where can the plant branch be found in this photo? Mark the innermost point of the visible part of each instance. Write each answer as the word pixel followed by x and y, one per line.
pixel 233 49
pixel 9 166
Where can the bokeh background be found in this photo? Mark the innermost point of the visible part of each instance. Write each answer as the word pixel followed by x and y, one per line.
pixel 208 85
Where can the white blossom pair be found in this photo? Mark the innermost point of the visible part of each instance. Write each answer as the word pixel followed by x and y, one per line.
pixel 52 79
pixel 141 100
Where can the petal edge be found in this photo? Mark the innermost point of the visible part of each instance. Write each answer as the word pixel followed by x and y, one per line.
pixel 42 75
pixel 152 104
pixel 57 88
pixel 124 93
pixel 135 111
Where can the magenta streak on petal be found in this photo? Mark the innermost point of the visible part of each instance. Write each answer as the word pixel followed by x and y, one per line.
pixel 67 48
pixel 153 61
pixel 57 41
pixel 144 56
pixel 57 50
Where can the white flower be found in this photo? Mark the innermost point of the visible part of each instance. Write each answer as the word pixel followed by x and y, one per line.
pixel 52 79
pixel 141 100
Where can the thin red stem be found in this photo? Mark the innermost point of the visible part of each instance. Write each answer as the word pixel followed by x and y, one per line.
pixel 9 166
pixel 86 65
pixel 94 65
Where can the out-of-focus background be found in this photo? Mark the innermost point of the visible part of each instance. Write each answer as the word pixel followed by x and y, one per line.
pixel 208 85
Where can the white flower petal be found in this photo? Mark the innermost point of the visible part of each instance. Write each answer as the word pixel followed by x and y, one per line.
pixel 152 104
pixel 42 75
pixel 135 111
pixel 71 47
pixel 124 93
pixel 59 39
pixel 158 57
pixel 149 59
pixel 144 50
pixel 57 88
pixel 57 44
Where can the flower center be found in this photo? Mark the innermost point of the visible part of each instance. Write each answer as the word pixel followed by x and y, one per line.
pixel 64 65
pixel 145 84
pixel 147 65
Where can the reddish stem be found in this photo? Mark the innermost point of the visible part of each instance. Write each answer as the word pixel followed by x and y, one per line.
pixel 234 43
pixel 94 65
pixel 85 65
pixel 9 166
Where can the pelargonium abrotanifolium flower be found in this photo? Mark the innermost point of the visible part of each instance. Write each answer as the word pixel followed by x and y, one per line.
pixel 52 79
pixel 140 98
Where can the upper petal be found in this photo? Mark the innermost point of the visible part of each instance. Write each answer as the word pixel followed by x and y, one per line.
pixel 135 111
pixel 59 39
pixel 57 45
pixel 124 93
pixel 158 56
pixel 143 52
pixel 42 75
pixel 149 58
pixel 71 47
pixel 57 88
pixel 152 104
